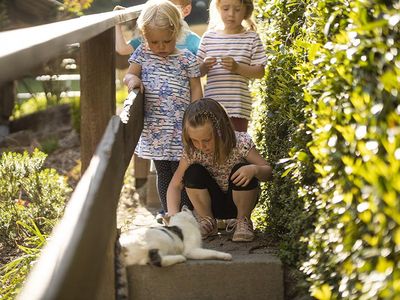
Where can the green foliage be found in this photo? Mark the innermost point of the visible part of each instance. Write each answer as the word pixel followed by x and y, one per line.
pixel 13 274
pixel 49 145
pixel 32 199
pixel 121 95
pixel 27 191
pixel 76 6
pixel 354 252
pixel 280 131
pixel 29 106
pixel 76 113
pixel 332 88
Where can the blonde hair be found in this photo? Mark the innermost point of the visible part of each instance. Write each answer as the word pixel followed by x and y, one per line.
pixel 215 21
pixel 204 110
pixel 160 14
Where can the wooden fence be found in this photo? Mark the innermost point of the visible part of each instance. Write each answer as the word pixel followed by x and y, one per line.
pixel 78 261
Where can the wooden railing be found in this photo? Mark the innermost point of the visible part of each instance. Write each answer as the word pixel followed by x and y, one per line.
pixel 78 261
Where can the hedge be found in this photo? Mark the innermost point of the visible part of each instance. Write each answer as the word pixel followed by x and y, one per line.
pixel 330 123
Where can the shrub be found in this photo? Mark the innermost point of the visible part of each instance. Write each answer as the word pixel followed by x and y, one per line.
pixel 354 251
pixel 280 131
pixel 340 63
pixel 32 199
pixel 27 191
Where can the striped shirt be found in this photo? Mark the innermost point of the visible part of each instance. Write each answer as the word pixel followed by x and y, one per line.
pixel 230 89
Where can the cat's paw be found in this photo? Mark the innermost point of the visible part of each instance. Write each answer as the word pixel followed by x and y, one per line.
pixel 226 256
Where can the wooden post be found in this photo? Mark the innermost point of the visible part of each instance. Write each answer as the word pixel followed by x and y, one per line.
pixel 97 65
pixel 7 100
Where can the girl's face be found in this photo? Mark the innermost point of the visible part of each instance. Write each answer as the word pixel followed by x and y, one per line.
pixel 232 14
pixel 161 42
pixel 202 138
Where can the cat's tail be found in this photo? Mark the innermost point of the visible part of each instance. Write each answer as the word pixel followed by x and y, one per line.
pixel 121 278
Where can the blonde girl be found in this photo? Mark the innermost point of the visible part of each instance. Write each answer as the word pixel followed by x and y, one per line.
pixel 220 170
pixel 231 54
pixel 189 41
pixel 170 79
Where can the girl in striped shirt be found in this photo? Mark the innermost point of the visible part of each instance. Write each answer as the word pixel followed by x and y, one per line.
pixel 230 54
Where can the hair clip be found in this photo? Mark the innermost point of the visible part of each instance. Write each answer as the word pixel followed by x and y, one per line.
pixel 206 114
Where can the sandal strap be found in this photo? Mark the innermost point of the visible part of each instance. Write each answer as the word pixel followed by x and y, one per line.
pixel 208 226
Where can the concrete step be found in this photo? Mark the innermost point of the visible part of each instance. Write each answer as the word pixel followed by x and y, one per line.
pixel 255 277
pixel 254 273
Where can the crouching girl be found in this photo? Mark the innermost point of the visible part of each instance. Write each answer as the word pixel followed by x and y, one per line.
pixel 220 170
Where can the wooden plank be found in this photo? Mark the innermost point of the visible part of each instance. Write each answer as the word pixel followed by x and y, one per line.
pixel 77 262
pixel 97 68
pixel 22 50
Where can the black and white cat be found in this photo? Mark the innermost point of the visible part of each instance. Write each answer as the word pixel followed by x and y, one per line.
pixel 167 245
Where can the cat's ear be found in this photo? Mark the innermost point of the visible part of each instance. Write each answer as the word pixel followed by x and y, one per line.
pixel 185 208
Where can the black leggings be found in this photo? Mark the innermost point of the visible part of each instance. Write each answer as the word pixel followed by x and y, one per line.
pixel 222 205
pixel 165 170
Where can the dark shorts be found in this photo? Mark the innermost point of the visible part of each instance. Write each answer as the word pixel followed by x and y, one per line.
pixel 222 205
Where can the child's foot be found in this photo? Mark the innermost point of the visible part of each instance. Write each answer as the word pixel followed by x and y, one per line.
pixel 243 230
pixel 208 226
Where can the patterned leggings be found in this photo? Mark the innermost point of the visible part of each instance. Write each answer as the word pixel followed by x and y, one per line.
pixel 165 170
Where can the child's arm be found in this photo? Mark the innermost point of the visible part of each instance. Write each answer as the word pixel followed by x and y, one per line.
pixel 196 91
pixel 258 168
pixel 121 45
pixel 175 188
pixel 229 63
pixel 132 77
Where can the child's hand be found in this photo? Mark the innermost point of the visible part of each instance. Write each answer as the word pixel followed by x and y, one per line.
pixel 119 7
pixel 133 82
pixel 210 62
pixel 243 175
pixel 229 63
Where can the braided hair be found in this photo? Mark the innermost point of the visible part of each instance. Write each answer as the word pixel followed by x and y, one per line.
pixel 204 110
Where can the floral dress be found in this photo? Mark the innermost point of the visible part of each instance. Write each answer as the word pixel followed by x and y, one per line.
pixel 166 84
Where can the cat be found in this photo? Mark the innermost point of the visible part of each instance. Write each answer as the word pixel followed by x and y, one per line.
pixel 164 246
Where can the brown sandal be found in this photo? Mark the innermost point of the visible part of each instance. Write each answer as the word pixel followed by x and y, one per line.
pixel 208 226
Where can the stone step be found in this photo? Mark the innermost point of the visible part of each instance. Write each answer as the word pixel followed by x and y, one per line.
pixel 254 273
pixel 255 277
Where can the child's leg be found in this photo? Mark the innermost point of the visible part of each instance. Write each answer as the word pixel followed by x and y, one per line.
pixel 201 201
pixel 245 199
pixel 245 202
pixel 164 176
pixel 205 194
pixel 184 196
